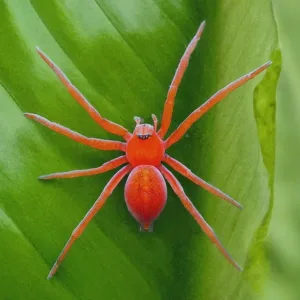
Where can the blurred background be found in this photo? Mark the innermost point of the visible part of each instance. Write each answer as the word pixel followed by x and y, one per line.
pixel 283 240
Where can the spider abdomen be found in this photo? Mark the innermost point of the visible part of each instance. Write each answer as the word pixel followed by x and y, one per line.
pixel 145 194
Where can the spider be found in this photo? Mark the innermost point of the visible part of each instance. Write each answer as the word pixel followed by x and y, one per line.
pixel 144 152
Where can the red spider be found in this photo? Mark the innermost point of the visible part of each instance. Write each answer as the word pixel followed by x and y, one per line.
pixel 145 188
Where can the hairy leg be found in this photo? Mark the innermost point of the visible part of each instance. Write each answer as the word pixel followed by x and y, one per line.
pixel 183 170
pixel 111 185
pixel 104 123
pixel 92 142
pixel 183 64
pixel 216 98
pixel 110 165
pixel 178 189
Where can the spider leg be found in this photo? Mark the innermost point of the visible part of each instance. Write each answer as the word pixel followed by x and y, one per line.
pixel 104 123
pixel 183 64
pixel 183 170
pixel 216 98
pixel 178 189
pixel 112 164
pixel 111 185
pixel 92 142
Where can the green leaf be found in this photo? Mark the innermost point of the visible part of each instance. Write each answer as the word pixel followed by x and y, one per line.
pixel 122 56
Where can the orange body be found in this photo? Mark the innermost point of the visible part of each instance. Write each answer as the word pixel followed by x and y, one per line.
pixel 145 189
pixel 145 194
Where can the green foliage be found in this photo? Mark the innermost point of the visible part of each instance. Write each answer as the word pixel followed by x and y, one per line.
pixel 122 56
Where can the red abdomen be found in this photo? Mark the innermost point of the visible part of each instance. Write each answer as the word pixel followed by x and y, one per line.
pixel 145 194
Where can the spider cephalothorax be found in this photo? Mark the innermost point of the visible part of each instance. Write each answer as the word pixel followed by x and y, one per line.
pixel 144 153
pixel 145 137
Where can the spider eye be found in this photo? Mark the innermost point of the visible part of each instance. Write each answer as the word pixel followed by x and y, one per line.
pixel 143 136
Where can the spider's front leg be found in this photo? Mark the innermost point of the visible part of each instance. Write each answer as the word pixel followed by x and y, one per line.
pixel 183 64
pixel 104 123
pixel 216 98
pixel 92 142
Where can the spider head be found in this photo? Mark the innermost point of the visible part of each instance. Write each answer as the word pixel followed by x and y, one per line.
pixel 145 147
pixel 144 131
